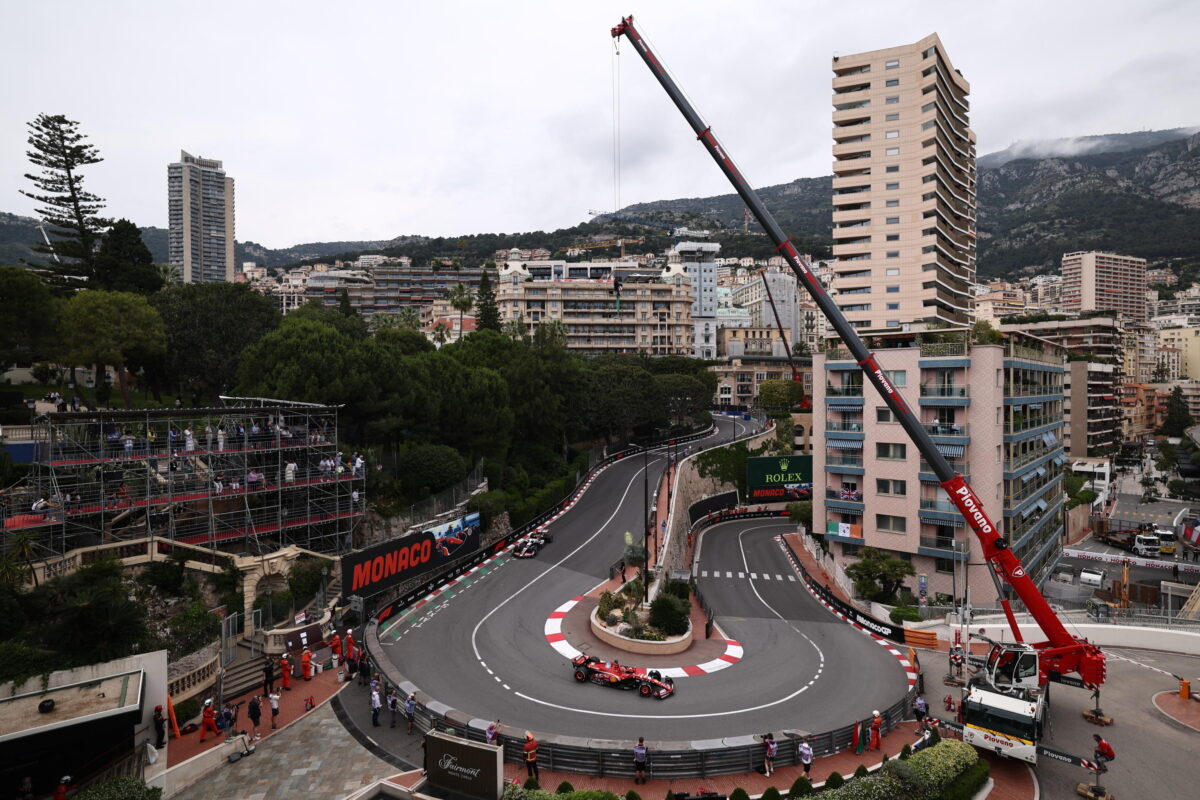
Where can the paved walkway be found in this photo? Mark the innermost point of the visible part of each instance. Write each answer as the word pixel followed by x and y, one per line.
pixel 314 758
pixel 1185 712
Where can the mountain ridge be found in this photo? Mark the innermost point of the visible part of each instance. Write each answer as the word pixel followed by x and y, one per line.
pixel 1136 193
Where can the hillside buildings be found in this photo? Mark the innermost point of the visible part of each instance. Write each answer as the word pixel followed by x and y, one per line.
pixel 697 260
pixel 903 187
pixel 200 212
pixel 1095 281
pixel 652 313
pixel 389 286
pixel 994 411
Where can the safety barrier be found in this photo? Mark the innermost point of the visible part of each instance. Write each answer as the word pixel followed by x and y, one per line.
pixel 607 757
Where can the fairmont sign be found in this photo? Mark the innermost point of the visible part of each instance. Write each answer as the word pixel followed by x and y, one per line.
pixel 464 767
pixel 778 479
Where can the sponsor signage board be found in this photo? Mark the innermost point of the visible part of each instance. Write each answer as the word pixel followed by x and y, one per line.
pixel 1134 561
pixel 464 767
pixel 778 479
pixel 382 566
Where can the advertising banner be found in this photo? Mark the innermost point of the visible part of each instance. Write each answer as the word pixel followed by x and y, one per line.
pixel 382 566
pixel 1134 561
pixel 778 479
pixel 464 767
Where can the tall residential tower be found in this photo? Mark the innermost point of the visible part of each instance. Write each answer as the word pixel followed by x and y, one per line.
pixel 903 187
pixel 200 205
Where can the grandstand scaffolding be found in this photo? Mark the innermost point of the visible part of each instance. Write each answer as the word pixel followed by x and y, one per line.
pixel 252 476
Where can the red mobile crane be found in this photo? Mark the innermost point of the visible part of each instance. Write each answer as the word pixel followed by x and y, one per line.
pixel 1014 672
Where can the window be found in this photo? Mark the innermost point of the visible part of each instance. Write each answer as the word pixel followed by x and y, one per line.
pixel 893 237
pixel 895 115
pixel 851 550
pixel 884 414
pixel 893 168
pixel 892 271
pixel 928 107
pixel 893 253
pixel 891 135
pixel 892 186
pixel 890 523
pixel 892 203
pixel 891 64
pixel 891 451
pixel 892 82
pixel 893 289
pixel 893 306
pixel 943 565
pixel 898 377
pixel 893 220
pixel 889 486
pixel 890 100
pixel 892 151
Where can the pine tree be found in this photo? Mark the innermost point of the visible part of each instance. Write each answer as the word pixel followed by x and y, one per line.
pixel 68 211
pixel 1178 419
pixel 124 263
pixel 488 314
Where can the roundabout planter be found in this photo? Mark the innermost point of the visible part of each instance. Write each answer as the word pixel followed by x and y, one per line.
pixel 670 646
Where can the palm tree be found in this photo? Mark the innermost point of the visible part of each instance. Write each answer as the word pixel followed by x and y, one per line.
pixel 169 274
pixel 462 299
pixel 12 571
pixel 440 333
pixel 22 546
pixel 513 329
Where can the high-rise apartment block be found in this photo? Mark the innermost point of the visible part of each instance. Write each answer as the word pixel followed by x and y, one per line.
pixel 903 187
pixel 994 411
pixel 1095 281
pixel 697 260
pixel 200 212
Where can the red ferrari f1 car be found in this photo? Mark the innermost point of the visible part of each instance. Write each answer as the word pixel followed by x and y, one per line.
pixel 649 683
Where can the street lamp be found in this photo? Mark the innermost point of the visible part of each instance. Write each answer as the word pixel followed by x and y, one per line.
pixel 270 606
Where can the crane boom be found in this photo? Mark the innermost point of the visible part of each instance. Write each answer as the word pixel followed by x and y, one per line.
pixel 1062 653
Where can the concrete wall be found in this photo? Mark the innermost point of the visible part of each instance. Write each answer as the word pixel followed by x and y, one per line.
pixel 690 487
pixel 1109 636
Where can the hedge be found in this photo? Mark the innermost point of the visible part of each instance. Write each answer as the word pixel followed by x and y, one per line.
pixel 968 783
pixel 122 787
pixel 513 792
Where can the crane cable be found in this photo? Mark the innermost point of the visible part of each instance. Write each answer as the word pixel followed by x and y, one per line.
pixel 616 121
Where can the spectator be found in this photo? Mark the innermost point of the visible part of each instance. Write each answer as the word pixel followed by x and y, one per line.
pixel 254 711
pixel 410 711
pixel 376 704
pixel 273 697
pixel 531 750
pixel 805 753
pixel 393 705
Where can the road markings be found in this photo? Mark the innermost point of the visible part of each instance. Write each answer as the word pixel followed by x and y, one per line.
pixel 741 575
pixel 753 576
pixel 728 574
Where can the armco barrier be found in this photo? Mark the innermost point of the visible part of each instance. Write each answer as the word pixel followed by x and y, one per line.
pixel 607 757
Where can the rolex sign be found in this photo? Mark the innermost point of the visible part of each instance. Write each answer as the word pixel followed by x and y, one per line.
pixel 778 479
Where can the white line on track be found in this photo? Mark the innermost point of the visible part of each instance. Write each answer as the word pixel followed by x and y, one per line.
pixel 793 695
pixel 585 543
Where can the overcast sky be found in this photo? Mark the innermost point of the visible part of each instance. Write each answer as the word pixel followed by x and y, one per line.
pixel 368 120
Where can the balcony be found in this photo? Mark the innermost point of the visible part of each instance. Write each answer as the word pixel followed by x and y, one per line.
pixel 855 390
pixel 1030 354
pixel 946 429
pixel 844 461
pixel 838 354
pixel 938 505
pixel 944 543
pixel 927 473
pixel 944 390
pixel 943 349
pixel 847 427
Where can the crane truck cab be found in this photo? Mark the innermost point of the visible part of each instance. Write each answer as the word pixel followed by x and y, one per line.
pixel 1147 545
pixel 1166 541
pixel 1008 724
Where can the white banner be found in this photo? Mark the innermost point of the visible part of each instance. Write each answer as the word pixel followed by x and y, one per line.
pixel 1117 558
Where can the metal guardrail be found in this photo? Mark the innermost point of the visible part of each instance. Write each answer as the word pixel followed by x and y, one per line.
pixel 668 760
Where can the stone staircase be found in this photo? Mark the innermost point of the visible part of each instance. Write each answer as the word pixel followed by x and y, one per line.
pixel 245 673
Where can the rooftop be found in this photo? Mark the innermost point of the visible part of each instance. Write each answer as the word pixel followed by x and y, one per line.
pixel 73 703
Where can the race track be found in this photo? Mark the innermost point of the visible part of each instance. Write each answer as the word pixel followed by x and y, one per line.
pixel 484 651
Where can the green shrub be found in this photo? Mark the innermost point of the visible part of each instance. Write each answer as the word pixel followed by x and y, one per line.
pixel 632 795
pixel 564 787
pixel 862 771
pixel 739 794
pixel 489 505
pixel 123 787
pixel 902 614
pixel 591 794
pixel 633 589
pixel 630 616
pixel 905 751
pixel 305 578
pixel 187 710
pixel 192 629
pixel 648 635
pixel 670 795
pixel 531 783
pixel 872 787
pixel 634 555
pixel 801 788
pixel 968 782
pixel 669 614
pixel 936 767
pixel 834 780
pixel 771 794
pixel 679 588
pixel 608 602
pixel 611 619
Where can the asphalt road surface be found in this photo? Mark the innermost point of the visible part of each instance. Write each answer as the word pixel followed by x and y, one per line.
pixel 484 651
